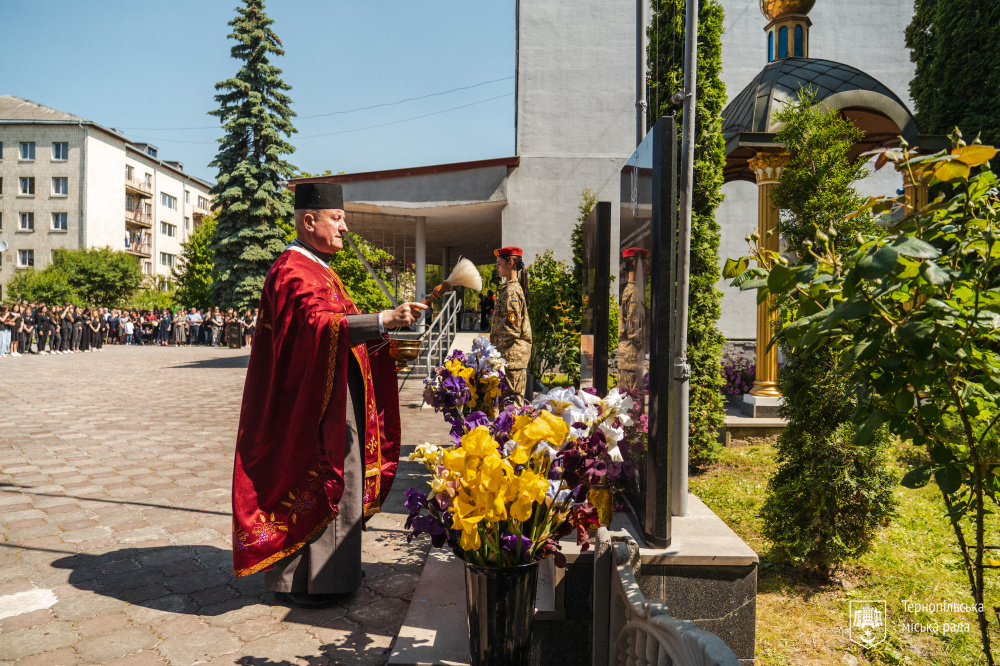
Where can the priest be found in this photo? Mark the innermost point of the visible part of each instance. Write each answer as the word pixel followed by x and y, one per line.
pixel 318 440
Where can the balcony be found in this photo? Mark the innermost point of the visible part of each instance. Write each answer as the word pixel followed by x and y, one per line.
pixel 199 211
pixel 138 218
pixel 139 245
pixel 138 187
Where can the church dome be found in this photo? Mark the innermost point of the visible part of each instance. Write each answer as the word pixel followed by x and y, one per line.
pixel 840 86
pixel 772 9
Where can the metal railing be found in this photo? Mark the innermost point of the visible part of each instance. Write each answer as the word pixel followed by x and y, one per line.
pixel 138 185
pixel 629 629
pixel 136 216
pixel 439 335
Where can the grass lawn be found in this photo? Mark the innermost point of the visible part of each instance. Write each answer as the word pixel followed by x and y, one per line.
pixel 915 559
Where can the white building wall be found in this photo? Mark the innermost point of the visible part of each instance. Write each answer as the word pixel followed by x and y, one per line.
pixel 104 210
pixel 575 116
pixel 167 183
pixel 867 35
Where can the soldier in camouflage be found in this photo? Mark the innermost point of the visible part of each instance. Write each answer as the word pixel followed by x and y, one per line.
pixel 633 338
pixel 510 332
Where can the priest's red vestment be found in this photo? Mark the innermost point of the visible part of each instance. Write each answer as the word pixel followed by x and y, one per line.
pixel 289 477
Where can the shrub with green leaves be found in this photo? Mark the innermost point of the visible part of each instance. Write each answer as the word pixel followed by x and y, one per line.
pixel 555 324
pixel 829 497
pixel 917 307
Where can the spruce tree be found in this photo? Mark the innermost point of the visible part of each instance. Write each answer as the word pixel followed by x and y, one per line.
pixel 666 76
pixel 955 46
pixel 249 199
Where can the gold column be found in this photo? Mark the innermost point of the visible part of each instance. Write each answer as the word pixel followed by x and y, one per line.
pixel 767 167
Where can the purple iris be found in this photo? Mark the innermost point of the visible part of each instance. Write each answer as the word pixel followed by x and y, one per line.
pixel 433 527
pixel 510 542
pixel 415 500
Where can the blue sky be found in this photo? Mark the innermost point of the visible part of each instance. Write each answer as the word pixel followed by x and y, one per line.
pixel 149 69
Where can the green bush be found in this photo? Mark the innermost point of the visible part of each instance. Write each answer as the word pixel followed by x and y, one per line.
pixel 49 285
pixel 555 323
pixel 829 496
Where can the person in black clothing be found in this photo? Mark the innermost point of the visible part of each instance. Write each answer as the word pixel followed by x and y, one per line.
pixel 55 317
pixel 43 324
pixel 77 329
pixel 28 331
pixel 486 311
pixel 66 329
pixel 104 327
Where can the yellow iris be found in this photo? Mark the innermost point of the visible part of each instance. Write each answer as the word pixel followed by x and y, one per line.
pixel 528 431
pixel 527 488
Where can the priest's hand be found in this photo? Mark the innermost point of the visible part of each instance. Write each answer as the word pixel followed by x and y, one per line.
pixel 404 315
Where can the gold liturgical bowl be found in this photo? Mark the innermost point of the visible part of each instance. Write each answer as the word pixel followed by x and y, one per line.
pixel 403 351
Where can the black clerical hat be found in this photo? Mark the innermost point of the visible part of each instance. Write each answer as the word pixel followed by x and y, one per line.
pixel 319 196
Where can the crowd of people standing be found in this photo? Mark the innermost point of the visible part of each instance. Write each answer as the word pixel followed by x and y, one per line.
pixel 69 329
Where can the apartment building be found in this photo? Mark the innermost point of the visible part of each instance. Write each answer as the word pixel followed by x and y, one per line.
pixel 70 183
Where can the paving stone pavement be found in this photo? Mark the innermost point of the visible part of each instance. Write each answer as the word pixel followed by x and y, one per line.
pixel 115 473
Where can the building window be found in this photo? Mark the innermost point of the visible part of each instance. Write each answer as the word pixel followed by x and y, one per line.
pixel 167 259
pixel 60 185
pixel 1 150
pixel 129 173
pixel 187 224
pixel 129 204
pixel 149 180
pixel 147 209
pixel 26 258
pixel 168 201
pixel 27 222
pixel 60 150
pixel 783 42
pixel 1 221
pixel 27 186
pixel 203 203
pixel 770 46
pixel 147 268
pixel 151 151
pixel 168 229
pixel 187 197
pixel 59 221
pixel 1 186
pixel 27 150
pixel 799 46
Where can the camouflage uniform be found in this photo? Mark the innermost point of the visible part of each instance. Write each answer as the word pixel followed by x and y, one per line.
pixel 632 339
pixel 511 335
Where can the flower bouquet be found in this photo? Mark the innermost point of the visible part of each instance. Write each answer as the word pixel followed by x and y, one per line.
pixel 503 495
pixel 468 387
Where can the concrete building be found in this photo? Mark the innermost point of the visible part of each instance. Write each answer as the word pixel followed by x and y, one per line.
pixel 70 183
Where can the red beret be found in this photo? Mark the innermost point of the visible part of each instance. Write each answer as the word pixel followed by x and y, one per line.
pixel 634 251
pixel 510 249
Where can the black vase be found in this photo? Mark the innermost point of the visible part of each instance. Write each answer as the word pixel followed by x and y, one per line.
pixel 501 603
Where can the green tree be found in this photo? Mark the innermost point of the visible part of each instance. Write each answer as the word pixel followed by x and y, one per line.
pixel 916 307
pixel 955 46
pixel 193 274
pixel 49 285
pixel 249 199
pixel 99 276
pixel 666 77
pixel 555 322
pixel 361 286
pixel 158 294
pixel 830 495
